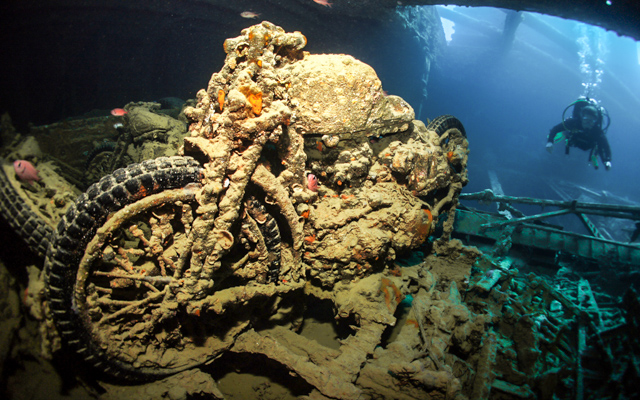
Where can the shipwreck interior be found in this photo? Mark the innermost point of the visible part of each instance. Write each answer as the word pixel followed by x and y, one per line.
pixel 200 205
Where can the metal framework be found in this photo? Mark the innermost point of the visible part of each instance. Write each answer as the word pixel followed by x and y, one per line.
pixel 593 247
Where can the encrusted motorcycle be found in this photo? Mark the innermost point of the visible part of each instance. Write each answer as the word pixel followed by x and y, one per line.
pixel 300 178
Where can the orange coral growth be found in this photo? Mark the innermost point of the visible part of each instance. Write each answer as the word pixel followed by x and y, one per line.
pixel 412 322
pixel 221 99
pixel 142 192
pixel 319 145
pixel 254 98
pixel 450 155
pixel 256 102
pixel 357 254
pixel 197 312
pixel 259 62
pixel 429 215
pixel 396 271
pixel 391 293
pixel 310 239
pixel 305 214
pixel 423 229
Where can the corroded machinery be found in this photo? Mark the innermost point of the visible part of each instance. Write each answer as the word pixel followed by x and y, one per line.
pixel 299 185
pixel 165 265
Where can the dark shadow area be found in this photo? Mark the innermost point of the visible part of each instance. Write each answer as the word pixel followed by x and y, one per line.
pixel 226 368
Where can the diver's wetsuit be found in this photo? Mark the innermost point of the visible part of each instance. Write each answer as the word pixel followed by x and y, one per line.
pixel 583 139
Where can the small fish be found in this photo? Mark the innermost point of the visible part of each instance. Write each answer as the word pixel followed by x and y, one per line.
pixel 26 171
pixel 118 112
pixel 249 14
pixel 323 3
pixel 118 125
pixel 312 182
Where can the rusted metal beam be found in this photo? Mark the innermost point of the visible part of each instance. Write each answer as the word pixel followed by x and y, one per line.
pixel 614 210
pixel 544 237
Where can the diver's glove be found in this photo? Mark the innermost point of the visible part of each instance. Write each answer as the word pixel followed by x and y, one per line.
pixel 607 165
pixel 549 147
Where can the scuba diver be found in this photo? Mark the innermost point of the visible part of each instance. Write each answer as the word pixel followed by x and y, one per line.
pixel 584 130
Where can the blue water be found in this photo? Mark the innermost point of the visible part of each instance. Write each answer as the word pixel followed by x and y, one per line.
pixel 509 100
